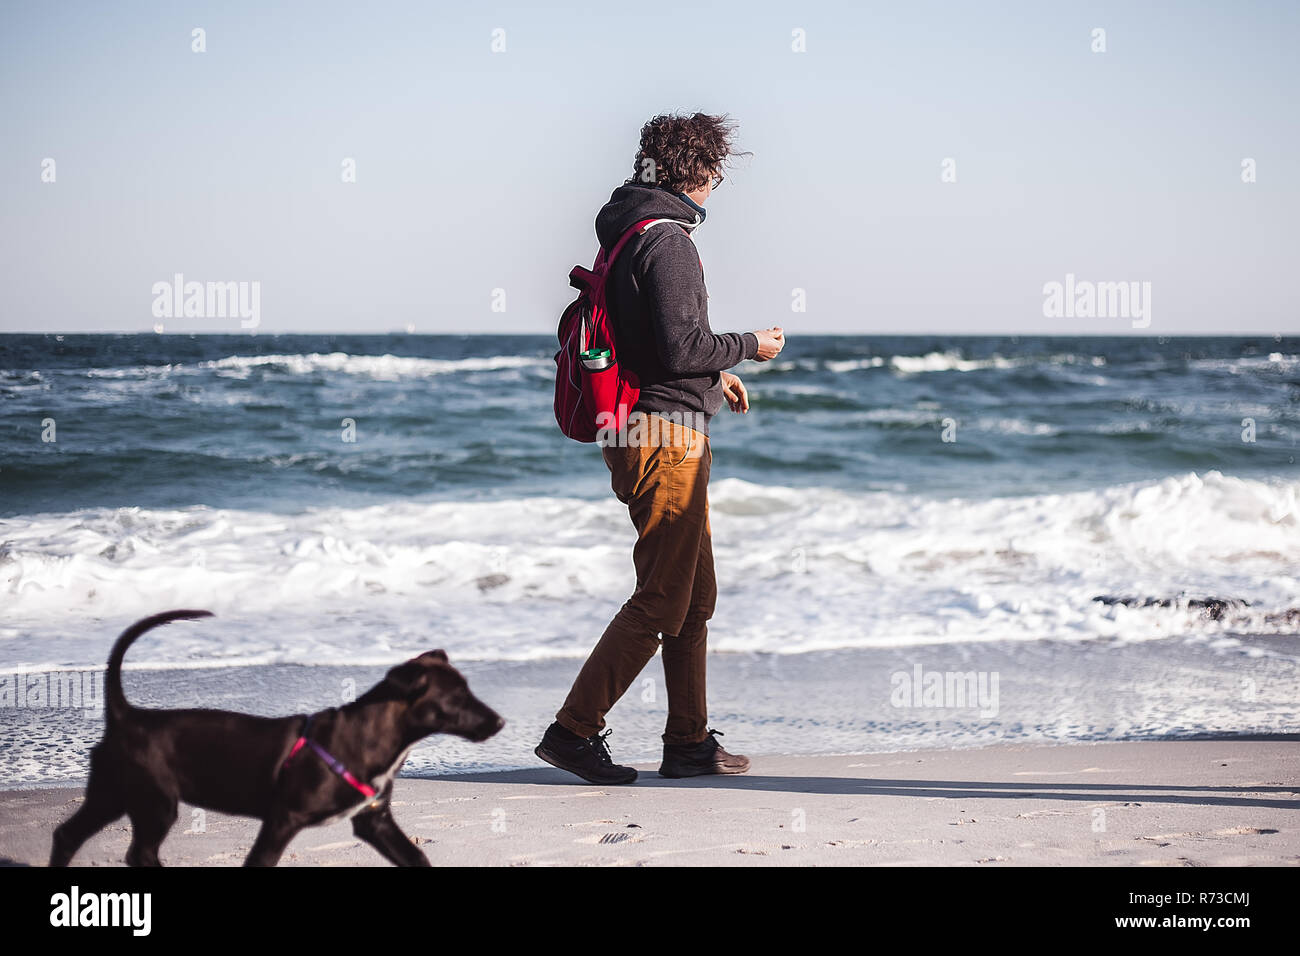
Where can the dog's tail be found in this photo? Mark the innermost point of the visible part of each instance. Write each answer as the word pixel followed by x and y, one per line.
pixel 117 706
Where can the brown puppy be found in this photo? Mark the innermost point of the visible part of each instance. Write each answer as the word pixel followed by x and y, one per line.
pixel 343 761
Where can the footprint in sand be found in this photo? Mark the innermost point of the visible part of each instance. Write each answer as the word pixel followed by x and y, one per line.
pixel 607 839
pixel 341 845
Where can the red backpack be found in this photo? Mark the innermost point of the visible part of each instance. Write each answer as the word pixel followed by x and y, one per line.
pixel 593 394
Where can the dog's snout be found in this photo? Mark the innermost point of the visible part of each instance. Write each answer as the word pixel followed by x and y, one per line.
pixel 489 724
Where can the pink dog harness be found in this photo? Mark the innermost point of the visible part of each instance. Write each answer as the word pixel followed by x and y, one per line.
pixel 330 760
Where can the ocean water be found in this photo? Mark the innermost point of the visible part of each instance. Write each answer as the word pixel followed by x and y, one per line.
pixel 1094 490
pixel 213 471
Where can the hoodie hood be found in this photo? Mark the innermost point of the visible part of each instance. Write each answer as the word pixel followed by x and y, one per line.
pixel 632 202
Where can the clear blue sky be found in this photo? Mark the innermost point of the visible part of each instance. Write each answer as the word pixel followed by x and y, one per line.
pixel 478 170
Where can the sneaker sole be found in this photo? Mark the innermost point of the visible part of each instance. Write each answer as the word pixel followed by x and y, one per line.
pixel 555 762
pixel 704 773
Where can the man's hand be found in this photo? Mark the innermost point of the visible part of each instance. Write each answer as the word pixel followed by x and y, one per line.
pixel 734 389
pixel 770 343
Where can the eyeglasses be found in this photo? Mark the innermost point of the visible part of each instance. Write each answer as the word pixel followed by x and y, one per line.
pixel 716 181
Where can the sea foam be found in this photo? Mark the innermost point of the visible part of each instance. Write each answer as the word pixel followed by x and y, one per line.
pixel 799 570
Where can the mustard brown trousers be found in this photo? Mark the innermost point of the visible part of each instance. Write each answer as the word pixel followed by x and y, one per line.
pixel 661 472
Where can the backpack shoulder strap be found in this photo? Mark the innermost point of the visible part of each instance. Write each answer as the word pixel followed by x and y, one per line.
pixel 641 227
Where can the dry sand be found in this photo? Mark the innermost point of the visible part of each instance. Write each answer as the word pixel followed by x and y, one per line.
pixel 1164 803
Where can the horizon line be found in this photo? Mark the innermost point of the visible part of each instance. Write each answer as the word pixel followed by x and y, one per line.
pixel 395 333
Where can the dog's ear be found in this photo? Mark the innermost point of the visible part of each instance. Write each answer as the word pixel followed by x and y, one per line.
pixel 440 656
pixel 408 679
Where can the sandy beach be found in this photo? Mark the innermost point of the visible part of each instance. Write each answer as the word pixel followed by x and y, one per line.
pixel 1227 802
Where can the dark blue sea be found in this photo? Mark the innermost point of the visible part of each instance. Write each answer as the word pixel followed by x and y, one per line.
pixel 256 422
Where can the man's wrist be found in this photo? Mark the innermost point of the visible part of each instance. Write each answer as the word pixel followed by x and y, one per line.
pixel 751 345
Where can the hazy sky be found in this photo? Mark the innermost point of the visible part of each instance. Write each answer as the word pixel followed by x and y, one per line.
pixel 478 170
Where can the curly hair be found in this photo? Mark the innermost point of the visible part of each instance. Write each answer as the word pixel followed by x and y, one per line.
pixel 680 152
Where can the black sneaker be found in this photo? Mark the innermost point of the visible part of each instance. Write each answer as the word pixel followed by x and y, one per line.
pixel 693 760
pixel 588 757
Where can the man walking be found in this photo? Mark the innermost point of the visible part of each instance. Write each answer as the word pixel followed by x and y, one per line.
pixel 658 305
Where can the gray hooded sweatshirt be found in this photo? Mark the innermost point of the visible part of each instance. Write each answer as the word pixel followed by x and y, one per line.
pixel 659 306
